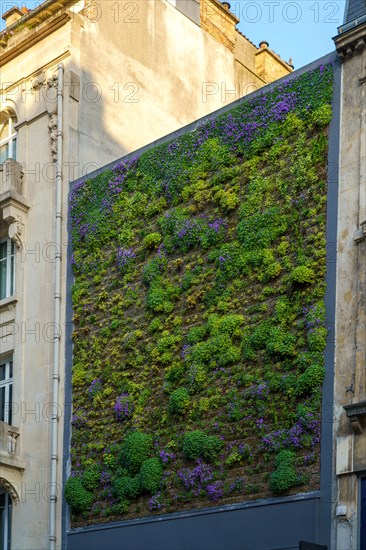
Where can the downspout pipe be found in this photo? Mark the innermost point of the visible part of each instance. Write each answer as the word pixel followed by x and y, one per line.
pixel 57 313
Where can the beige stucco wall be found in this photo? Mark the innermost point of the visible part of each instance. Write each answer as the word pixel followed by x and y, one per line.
pixel 141 77
pixel 158 74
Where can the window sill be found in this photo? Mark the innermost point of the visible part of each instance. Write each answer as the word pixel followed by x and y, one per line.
pixel 11 461
pixel 10 301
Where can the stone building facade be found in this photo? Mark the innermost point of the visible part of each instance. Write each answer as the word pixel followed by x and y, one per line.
pixel 83 83
pixel 349 410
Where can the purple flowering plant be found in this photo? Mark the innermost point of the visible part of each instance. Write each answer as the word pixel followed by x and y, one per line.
pixel 123 407
pixel 124 258
pixel 94 388
pixel 260 418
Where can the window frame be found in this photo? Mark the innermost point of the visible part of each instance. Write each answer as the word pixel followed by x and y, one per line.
pixel 5 519
pixel 9 260
pixel 6 404
pixel 11 139
pixel 361 528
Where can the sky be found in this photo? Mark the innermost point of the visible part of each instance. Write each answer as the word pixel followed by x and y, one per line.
pixel 300 29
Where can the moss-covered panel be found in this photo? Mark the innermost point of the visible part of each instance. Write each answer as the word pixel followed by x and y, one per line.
pixel 199 316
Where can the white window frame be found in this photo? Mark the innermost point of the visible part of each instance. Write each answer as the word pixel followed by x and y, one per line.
pixel 6 389
pixel 11 138
pixel 5 519
pixel 9 260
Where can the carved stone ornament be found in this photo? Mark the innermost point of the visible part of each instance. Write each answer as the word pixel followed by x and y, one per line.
pixel 12 442
pixel 44 81
pixel 38 82
pixel 53 133
pixel 360 234
pixel 10 489
pixel 52 81
pixel 15 231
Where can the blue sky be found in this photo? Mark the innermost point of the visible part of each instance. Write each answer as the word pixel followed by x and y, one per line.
pixel 301 29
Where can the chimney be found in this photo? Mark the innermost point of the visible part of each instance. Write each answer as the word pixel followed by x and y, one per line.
pixel 264 44
pixel 12 15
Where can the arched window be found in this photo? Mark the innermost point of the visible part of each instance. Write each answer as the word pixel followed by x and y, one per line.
pixel 8 136
pixel 5 519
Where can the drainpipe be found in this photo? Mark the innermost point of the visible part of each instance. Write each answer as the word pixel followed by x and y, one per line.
pixel 57 314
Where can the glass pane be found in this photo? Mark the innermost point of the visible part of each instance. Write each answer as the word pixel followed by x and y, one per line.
pixel 2 372
pixel 10 509
pixel 2 404
pixel 4 154
pixel 2 526
pixel 2 279
pixel 9 406
pixel 14 152
pixel 11 289
pixel 11 369
pixel 2 250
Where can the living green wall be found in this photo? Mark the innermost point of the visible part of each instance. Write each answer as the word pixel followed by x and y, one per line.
pixel 199 322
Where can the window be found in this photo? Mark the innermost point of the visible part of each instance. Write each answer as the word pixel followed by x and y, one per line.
pixel 6 391
pixel 7 254
pixel 5 520
pixel 363 514
pixel 8 136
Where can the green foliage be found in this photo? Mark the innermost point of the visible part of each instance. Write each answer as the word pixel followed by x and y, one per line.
pixel 160 296
pixel 175 373
pixel 126 488
pixel 302 275
pixel 284 477
pixel 152 240
pixel 322 116
pixel 281 342
pixel 154 269
pixel 150 475
pixel 179 402
pixel 261 334
pixel 310 379
pixel 91 476
pixel 197 444
pixel 217 350
pixel 196 334
pixel 259 230
pixel 197 377
pixel 227 324
pixel 317 338
pixel 213 321
pixel 135 449
pixel 77 497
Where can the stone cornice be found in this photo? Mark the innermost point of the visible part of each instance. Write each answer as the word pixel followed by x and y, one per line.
pixel 351 42
pixel 38 15
pixel 356 412
pixel 31 39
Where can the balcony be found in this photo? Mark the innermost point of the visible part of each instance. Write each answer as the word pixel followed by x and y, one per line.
pixel 9 446
pixel 11 177
pixel 12 200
